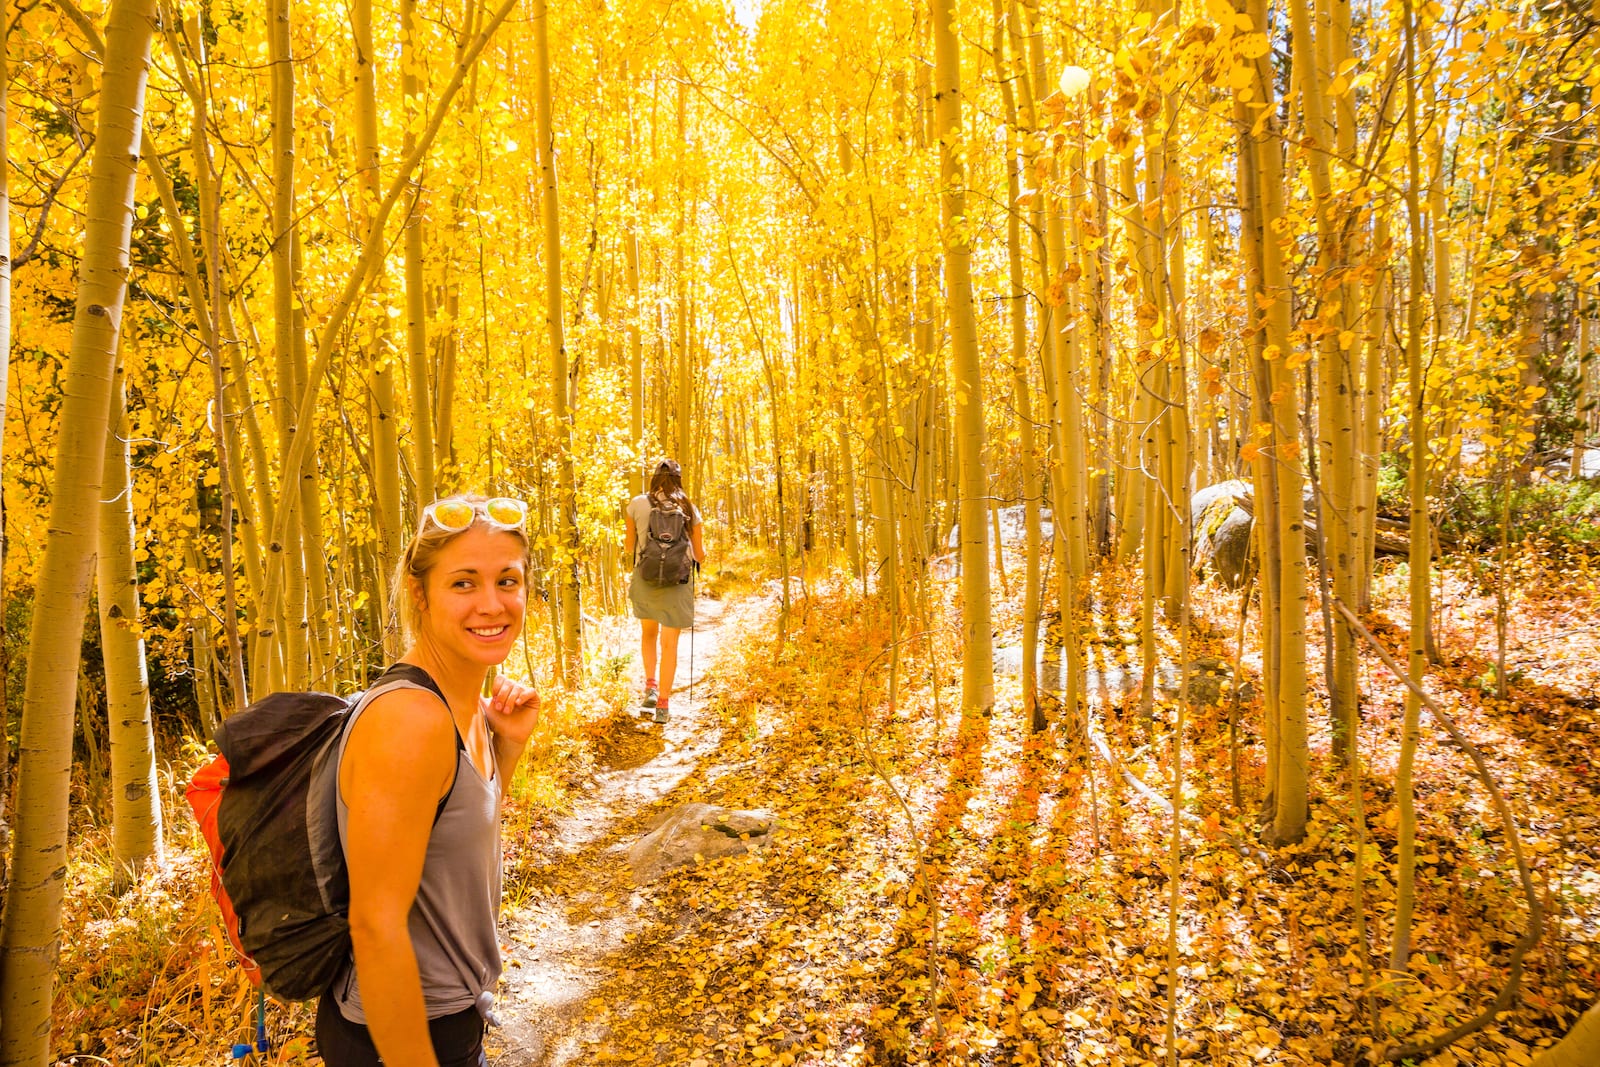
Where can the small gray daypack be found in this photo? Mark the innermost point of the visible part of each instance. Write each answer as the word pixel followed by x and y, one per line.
pixel 666 556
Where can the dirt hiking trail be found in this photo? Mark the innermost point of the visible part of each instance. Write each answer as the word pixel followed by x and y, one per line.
pixel 569 933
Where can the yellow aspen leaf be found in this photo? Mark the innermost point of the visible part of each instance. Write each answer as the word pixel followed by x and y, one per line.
pixel 1147 315
pixel 1240 75
pixel 1271 352
pixel 1210 341
pixel 1254 45
pixel 1346 339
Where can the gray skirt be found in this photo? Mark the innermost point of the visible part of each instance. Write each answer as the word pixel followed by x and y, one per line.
pixel 670 605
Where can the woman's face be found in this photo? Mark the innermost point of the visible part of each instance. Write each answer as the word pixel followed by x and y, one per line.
pixel 471 603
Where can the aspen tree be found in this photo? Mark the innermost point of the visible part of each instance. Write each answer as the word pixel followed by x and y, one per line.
pixel 566 560
pixel 1021 388
pixel 977 667
pixel 31 928
pixel 135 793
pixel 630 250
pixel 1277 391
pixel 1419 561
pixel 1059 330
pixel 5 301
pixel 385 421
pixel 1583 404
pixel 318 603
pixel 360 277
pixel 1336 393
pixel 1579 1048
pixel 416 290
pixel 290 609
pixel 206 311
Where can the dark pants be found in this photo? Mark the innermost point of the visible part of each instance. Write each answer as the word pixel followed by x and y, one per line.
pixel 457 1039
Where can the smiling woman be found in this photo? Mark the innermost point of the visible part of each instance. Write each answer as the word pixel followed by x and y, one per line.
pixel 421 776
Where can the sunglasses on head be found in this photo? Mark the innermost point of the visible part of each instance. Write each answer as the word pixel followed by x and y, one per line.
pixel 455 515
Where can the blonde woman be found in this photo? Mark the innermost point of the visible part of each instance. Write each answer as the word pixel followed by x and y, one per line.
pixel 663 537
pixel 423 768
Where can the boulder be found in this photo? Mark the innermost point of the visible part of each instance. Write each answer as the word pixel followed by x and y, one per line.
pixel 696 833
pixel 1223 515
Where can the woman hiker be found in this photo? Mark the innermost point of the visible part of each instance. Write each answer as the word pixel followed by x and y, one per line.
pixel 423 769
pixel 665 608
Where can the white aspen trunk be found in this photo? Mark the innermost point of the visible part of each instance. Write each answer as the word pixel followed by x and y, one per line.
pixel 135 793
pixel 568 535
pixel 1421 543
pixel 31 929
pixel 290 607
pixel 977 667
pixel 1581 1046
pixel 416 287
pixel 1022 391
pixel 389 521
pixel 1584 403
pixel 1291 788
pixel 5 362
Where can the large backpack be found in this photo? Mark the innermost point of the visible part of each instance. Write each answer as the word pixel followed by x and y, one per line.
pixel 266 807
pixel 665 558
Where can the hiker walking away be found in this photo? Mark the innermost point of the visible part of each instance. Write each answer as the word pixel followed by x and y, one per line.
pixel 420 788
pixel 662 536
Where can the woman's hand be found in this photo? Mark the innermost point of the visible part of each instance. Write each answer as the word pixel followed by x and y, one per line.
pixel 513 710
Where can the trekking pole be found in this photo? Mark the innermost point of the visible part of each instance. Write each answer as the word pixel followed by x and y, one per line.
pixel 694 580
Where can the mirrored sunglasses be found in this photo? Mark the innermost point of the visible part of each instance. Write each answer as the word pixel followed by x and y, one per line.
pixel 453 516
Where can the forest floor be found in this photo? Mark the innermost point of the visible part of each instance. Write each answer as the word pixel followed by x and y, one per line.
pixel 960 890
pixel 574 908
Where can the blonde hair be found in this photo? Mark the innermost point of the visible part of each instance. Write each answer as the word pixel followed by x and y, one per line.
pixel 423 552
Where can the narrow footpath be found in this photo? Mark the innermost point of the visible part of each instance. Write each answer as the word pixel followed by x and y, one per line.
pixel 570 932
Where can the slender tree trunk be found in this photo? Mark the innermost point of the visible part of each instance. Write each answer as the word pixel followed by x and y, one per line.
pixel 1581 1046
pixel 290 608
pixel 31 930
pixel 567 491
pixel 1285 549
pixel 1021 391
pixel 5 376
pixel 1421 543
pixel 1584 404
pixel 135 793
pixel 1336 394
pixel 977 667
pixel 388 519
pixel 416 287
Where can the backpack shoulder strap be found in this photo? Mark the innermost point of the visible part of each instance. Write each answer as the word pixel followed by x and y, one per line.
pixel 410 676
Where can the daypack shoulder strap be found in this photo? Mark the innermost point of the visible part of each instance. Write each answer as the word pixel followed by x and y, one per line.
pixel 411 676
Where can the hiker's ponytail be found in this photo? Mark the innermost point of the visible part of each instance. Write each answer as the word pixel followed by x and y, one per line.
pixel 666 487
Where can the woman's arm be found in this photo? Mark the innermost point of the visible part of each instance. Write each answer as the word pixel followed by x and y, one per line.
pixel 399 760
pixel 513 712
pixel 695 542
pixel 630 534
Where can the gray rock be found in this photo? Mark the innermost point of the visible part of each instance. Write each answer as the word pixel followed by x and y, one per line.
pixel 1222 522
pixel 697 833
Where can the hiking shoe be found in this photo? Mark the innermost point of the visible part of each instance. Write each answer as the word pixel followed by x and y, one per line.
pixel 661 714
pixel 650 697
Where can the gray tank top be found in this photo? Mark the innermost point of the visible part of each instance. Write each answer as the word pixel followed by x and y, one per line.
pixel 452 921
